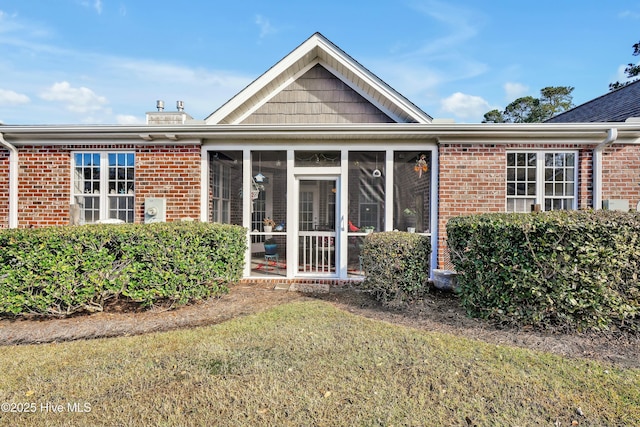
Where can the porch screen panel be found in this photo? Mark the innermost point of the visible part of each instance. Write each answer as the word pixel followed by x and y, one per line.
pixel 366 197
pixel 225 187
pixel 412 191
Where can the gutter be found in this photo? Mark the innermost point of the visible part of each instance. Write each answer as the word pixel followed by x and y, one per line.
pixel 13 182
pixel 612 135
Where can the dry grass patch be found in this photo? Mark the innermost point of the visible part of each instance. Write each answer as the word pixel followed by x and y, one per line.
pixel 308 363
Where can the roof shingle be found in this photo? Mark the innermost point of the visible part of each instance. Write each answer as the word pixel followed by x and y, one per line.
pixel 615 106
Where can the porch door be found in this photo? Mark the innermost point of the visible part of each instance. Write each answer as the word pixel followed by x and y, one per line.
pixel 317 225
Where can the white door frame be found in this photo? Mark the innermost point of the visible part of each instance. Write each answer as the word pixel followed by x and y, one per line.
pixel 311 174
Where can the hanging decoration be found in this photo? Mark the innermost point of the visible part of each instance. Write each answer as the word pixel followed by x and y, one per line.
pixel 376 173
pixel 421 165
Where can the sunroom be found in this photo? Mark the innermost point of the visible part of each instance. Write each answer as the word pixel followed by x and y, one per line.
pixel 308 207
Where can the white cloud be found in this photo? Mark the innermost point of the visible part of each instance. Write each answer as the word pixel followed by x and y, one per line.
pixel 78 100
pixel 514 91
pixel 13 98
pixel 461 23
pixel 629 14
pixel 465 106
pixel 265 26
pixel 97 5
pixel 127 119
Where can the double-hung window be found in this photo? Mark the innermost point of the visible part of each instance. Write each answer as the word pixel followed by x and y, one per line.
pixel 104 186
pixel 221 193
pixel 548 179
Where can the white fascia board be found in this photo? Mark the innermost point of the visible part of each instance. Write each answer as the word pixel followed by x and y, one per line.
pixel 258 84
pixel 374 82
pixel 329 49
pixel 275 92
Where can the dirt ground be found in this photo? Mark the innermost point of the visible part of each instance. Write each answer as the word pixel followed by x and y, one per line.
pixel 438 312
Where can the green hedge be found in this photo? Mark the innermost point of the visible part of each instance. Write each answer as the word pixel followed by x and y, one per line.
pixel 63 270
pixel 396 265
pixel 576 270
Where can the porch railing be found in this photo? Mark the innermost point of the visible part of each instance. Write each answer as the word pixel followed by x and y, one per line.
pixel 317 252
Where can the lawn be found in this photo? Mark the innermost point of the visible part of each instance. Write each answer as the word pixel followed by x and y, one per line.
pixel 307 363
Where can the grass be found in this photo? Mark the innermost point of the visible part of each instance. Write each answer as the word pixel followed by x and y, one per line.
pixel 309 363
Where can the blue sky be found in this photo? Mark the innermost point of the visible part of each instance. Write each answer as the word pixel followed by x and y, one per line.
pixel 108 61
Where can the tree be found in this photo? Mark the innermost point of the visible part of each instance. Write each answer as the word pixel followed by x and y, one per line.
pixel 632 70
pixel 527 109
pixel 493 116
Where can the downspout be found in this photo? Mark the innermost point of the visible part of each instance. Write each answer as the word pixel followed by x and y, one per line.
pixel 13 182
pixel 612 135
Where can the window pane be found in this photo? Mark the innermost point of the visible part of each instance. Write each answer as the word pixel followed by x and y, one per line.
pixel 412 190
pixel 569 189
pixel 511 159
pixel 548 189
pixel 521 189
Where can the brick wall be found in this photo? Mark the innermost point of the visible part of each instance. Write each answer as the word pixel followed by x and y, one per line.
pixel 472 180
pixel 621 173
pixel 4 188
pixel 44 181
pixel 172 172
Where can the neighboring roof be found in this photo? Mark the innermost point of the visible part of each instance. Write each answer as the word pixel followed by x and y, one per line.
pixel 615 106
pixel 317 49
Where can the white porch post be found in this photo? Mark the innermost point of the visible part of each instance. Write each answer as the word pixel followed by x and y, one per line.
pixel 204 184
pixel 246 206
pixel 292 215
pixel 434 209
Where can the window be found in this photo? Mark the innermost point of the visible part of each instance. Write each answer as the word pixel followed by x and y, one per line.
pixel 544 178
pixel 103 186
pixel 221 188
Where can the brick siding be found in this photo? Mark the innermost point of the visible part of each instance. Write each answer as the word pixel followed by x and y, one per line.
pixel 621 173
pixel 44 181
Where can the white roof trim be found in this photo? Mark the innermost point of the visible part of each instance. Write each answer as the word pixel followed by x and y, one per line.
pixel 321 51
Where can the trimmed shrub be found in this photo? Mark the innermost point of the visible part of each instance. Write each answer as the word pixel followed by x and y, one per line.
pixel 63 270
pixel 396 266
pixel 576 270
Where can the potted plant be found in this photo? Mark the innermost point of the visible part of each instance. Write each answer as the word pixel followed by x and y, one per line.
pixel 270 247
pixel 268 224
pixel 410 219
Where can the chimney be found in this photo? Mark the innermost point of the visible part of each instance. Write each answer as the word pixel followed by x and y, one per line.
pixel 167 118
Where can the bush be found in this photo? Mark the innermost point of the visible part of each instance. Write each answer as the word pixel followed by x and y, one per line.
pixel 63 270
pixel 575 270
pixel 396 265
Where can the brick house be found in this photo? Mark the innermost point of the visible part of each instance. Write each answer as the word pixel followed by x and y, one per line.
pixel 327 150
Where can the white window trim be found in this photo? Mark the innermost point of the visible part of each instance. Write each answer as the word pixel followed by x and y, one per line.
pixel 540 180
pixel 104 178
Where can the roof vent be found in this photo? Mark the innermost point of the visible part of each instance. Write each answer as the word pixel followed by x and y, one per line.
pixel 160 105
pixel 180 105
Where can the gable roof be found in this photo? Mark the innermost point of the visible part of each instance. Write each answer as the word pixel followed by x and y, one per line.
pixel 317 49
pixel 615 106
